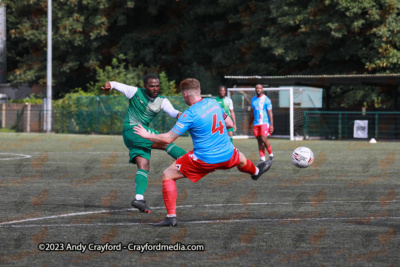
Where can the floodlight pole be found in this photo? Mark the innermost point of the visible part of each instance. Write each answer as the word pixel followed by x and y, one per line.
pixel 49 67
pixel 3 42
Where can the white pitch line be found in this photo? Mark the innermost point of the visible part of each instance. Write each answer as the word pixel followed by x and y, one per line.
pixel 63 215
pixel 197 222
pixel 155 208
pixel 21 156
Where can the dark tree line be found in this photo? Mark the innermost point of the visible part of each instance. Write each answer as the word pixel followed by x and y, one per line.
pixel 203 39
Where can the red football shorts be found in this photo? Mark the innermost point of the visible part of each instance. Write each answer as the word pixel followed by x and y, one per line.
pixel 262 129
pixel 195 169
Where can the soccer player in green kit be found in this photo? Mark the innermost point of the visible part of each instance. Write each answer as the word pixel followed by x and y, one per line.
pixel 227 105
pixel 144 105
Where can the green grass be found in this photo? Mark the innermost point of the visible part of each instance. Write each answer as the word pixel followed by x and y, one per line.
pixel 6 130
pixel 343 210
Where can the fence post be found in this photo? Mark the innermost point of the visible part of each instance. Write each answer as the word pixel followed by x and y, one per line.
pixel 62 121
pixel 3 115
pixel 340 126
pixel 97 115
pixel 28 118
pixel 376 125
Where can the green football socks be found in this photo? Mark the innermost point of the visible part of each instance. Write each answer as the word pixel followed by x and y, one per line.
pixel 141 181
pixel 175 151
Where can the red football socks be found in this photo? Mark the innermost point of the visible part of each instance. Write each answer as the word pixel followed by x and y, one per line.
pixel 262 153
pixel 248 168
pixel 269 149
pixel 169 194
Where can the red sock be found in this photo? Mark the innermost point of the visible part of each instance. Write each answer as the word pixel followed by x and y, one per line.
pixel 269 149
pixel 262 153
pixel 248 168
pixel 169 194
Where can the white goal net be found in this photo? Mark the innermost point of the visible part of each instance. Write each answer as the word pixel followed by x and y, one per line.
pixel 283 108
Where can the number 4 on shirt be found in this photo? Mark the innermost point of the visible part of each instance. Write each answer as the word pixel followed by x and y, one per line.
pixel 214 127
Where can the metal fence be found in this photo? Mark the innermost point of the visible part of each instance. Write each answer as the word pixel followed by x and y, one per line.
pixel 91 114
pixel 340 124
pixel 77 122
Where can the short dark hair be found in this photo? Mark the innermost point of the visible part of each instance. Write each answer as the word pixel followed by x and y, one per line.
pixel 149 76
pixel 222 86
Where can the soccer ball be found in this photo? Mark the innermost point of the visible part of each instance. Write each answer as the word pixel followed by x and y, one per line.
pixel 302 157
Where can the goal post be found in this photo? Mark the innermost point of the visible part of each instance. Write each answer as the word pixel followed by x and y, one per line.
pixel 241 98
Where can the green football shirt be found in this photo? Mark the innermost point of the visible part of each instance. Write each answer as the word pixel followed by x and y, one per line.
pixel 226 104
pixel 143 109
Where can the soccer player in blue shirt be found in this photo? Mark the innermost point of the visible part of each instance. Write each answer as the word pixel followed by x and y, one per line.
pixel 263 121
pixel 212 148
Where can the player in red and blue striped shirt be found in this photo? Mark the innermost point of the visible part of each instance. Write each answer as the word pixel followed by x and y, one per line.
pixel 263 121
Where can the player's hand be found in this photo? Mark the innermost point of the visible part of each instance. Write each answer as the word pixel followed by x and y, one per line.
pixel 271 129
pixel 107 86
pixel 234 128
pixel 141 131
pixel 179 114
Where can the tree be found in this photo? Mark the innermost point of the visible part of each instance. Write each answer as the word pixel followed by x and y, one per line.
pixel 81 39
pixel 332 37
pixel 203 39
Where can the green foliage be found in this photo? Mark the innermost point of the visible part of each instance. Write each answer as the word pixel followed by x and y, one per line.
pixel 117 72
pixel 167 88
pixel 359 96
pixel 85 112
pixel 332 37
pixel 199 39
pixel 70 102
pixel 32 99
pixel 81 34
pixel 6 130
pixel 127 75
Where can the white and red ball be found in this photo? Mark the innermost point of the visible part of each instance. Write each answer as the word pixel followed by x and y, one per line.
pixel 302 157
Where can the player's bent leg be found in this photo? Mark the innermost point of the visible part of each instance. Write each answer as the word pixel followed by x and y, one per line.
pixel 142 163
pixel 172 173
pixel 175 151
pixel 267 144
pixel 246 165
pixel 159 146
pixel 141 184
pixel 262 168
pixel 261 147
pixel 171 149
pixel 170 194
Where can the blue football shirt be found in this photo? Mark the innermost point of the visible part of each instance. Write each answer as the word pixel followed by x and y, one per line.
pixel 260 106
pixel 204 121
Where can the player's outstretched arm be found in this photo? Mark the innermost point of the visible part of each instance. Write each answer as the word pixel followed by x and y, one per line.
pixel 169 109
pixel 165 138
pixel 128 91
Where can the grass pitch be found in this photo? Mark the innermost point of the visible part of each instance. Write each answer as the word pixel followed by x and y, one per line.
pixel 60 189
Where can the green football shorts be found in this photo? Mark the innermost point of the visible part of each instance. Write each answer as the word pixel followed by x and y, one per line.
pixel 231 130
pixel 137 145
